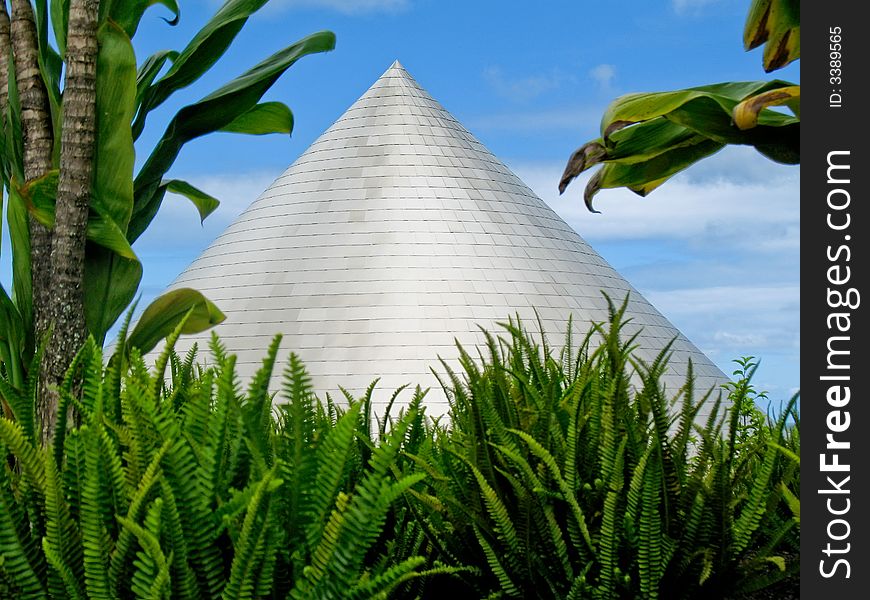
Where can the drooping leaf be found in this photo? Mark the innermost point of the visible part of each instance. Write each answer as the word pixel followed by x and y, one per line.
pixel 150 69
pixel 17 217
pixel 164 314
pixel 776 24
pixel 116 96
pixel 128 13
pixel 12 339
pixel 643 177
pixel 636 108
pixel 60 22
pixel 111 282
pixel 265 118
pixel 206 47
pixel 205 203
pixel 51 67
pixel 647 138
pixel 212 113
pixel 39 195
pixel 746 113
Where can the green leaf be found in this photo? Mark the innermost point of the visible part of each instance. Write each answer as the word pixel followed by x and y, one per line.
pixel 164 314
pixel 12 339
pixel 746 114
pixel 212 113
pixel 643 177
pixel 205 203
pixel 649 137
pixel 60 22
pixel 17 218
pixel 40 195
pixel 51 67
pixel 128 13
pixel 104 231
pixel 111 282
pixel 149 70
pixel 776 24
pixel 116 97
pixel 636 108
pixel 112 278
pixel 265 118
pixel 206 47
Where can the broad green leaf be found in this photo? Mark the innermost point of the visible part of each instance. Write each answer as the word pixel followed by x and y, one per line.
pixel 746 113
pixel 116 97
pixel 12 338
pixel 265 118
pixel 645 176
pixel 112 278
pixel 40 196
pixel 103 230
pixel 755 28
pixel 635 144
pixel 13 162
pixel 51 66
pixel 776 24
pixel 60 22
pixel 708 119
pixel 215 111
pixel 646 140
pixel 636 108
pixel 17 217
pixel 206 47
pixel 149 70
pixel 662 165
pixel 111 282
pixel 164 314
pixel 128 13
pixel 205 203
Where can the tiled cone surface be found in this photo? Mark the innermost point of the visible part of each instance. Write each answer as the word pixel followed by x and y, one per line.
pixel 395 234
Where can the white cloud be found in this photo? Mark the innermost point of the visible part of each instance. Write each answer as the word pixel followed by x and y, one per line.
pixel 523 89
pixel 348 7
pixel 718 299
pixel 603 75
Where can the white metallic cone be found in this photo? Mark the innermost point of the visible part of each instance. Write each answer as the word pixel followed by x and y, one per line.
pixel 395 234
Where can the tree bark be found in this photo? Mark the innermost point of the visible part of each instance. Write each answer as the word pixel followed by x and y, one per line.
pixel 38 139
pixel 78 136
pixel 36 131
pixel 5 44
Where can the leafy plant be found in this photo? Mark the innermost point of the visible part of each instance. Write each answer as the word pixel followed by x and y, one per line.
pixel 119 204
pixel 646 138
pixel 574 475
pixel 559 475
pixel 193 489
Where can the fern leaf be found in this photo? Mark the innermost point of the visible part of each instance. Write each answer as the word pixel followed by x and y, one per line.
pixel 241 583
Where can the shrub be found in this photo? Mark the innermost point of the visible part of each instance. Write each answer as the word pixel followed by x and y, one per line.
pixel 558 475
pixel 567 481
pixel 193 489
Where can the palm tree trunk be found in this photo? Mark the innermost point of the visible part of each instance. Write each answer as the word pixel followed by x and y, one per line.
pixel 78 135
pixel 5 43
pixel 38 139
pixel 36 132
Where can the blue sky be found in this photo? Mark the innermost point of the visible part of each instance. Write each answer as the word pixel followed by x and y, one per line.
pixel 716 250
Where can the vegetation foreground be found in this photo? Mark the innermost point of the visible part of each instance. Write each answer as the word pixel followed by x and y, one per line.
pixel 554 477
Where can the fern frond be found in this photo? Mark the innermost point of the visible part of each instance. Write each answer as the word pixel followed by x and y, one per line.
pixel 242 583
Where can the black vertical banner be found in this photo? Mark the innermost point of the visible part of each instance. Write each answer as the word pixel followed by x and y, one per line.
pixel 835 344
